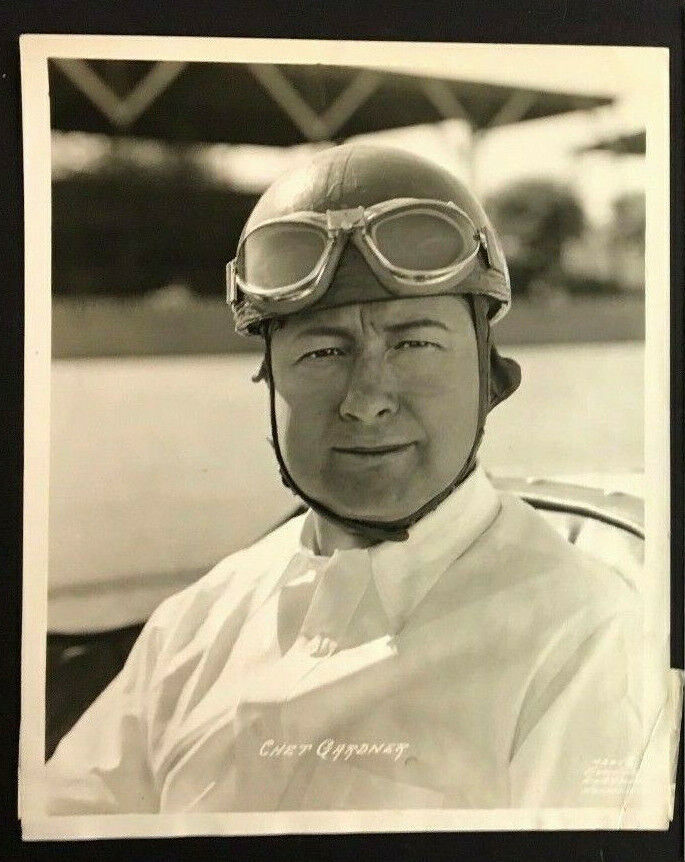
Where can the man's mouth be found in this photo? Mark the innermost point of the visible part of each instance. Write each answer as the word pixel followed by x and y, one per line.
pixel 371 451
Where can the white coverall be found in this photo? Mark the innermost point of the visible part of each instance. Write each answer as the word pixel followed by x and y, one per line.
pixel 483 663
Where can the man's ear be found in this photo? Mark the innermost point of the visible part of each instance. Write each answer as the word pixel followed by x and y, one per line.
pixel 505 377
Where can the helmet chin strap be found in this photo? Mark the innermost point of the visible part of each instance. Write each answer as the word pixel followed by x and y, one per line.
pixel 396 531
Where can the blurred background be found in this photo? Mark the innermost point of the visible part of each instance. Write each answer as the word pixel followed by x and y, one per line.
pixel 160 462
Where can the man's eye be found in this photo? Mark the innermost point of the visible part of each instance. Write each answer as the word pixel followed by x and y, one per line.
pixel 322 353
pixel 414 343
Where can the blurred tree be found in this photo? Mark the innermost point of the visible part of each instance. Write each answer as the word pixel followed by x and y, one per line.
pixel 130 226
pixel 628 223
pixel 626 240
pixel 535 218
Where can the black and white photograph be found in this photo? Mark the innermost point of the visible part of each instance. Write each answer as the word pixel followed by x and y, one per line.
pixel 347 438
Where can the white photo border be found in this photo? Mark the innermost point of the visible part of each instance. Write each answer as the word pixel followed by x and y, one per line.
pixel 648 68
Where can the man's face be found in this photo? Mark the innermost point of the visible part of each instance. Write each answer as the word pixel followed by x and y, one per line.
pixel 377 403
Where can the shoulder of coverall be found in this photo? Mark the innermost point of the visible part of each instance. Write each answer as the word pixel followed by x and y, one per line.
pixel 232 580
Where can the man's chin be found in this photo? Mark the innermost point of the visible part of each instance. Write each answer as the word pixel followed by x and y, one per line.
pixel 379 497
pixel 375 511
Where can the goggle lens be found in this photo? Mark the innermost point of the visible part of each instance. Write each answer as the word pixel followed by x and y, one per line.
pixel 421 241
pixel 276 255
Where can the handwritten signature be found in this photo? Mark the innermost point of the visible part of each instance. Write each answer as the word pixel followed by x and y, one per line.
pixel 331 749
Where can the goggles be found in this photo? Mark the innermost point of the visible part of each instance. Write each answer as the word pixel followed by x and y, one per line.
pixel 413 246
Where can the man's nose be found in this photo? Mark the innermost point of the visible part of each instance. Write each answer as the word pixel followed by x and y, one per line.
pixel 371 391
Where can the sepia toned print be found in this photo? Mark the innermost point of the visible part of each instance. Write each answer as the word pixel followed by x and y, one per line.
pixel 429 600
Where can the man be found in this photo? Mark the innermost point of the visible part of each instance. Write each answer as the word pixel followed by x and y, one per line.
pixel 415 640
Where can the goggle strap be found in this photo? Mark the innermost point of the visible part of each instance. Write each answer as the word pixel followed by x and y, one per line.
pixel 231 284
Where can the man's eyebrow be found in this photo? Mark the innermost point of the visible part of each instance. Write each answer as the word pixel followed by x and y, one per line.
pixel 322 330
pixel 344 332
pixel 415 324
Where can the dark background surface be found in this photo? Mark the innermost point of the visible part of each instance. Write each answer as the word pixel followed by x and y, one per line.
pixel 657 22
